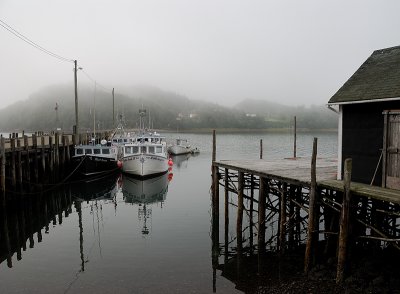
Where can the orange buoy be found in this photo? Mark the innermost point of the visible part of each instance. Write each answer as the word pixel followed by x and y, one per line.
pixel 170 162
pixel 119 164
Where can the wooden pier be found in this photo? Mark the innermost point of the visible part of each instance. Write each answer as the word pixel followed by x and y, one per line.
pixel 33 160
pixel 298 203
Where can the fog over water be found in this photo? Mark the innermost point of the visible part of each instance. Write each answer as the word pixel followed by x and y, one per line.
pixel 223 51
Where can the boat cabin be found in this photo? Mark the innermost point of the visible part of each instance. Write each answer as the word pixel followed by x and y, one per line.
pixel 369 120
pixel 93 150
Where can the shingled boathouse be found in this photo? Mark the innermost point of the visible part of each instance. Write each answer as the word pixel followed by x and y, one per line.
pixel 369 120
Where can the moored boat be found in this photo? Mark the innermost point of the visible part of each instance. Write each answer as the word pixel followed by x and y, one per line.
pixel 180 147
pixel 146 154
pixel 95 159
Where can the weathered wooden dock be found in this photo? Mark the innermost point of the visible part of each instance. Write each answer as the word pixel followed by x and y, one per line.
pixel 302 203
pixel 36 158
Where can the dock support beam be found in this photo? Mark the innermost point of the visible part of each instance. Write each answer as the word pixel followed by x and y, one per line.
pixel 3 171
pixel 311 210
pixel 239 222
pixel 344 222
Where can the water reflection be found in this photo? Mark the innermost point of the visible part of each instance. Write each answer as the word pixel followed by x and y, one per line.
pixel 144 193
pixel 24 218
pixel 181 161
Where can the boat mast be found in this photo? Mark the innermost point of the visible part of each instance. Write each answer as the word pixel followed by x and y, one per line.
pixel 94 113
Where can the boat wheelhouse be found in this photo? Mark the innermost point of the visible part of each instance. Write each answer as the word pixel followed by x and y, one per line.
pixel 96 159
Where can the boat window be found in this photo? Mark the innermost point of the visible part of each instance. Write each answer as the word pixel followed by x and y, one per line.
pixel 151 149
pixel 125 140
pixel 119 140
pixel 143 149
pixel 88 151
pixel 158 149
pixel 128 150
pixel 96 151
pixel 79 151
pixel 106 151
pixel 135 149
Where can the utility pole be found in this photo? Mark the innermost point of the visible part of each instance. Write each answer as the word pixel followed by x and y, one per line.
pixel 113 109
pixel 76 104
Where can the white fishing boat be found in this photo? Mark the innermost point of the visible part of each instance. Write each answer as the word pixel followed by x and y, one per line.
pixel 146 155
pixel 180 147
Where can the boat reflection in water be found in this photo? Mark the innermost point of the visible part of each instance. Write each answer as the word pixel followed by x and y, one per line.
pixel 181 161
pixel 144 193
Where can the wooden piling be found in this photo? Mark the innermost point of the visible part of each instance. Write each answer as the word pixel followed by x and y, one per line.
pixel 13 164
pixel 226 206
pixel 214 147
pixel 251 212
pixel 344 222
pixel 292 195
pixel 282 219
pixel 239 220
pixel 35 158
pixel 43 156
pixel 261 148
pixel 68 156
pixel 19 163
pixel 3 171
pixel 261 215
pixel 27 159
pixel 51 154
pixel 311 210
pixel 295 138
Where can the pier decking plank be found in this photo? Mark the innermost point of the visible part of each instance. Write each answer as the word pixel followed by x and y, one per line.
pixel 291 170
pixel 299 171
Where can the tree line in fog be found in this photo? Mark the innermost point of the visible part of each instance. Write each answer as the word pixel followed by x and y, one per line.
pixel 54 107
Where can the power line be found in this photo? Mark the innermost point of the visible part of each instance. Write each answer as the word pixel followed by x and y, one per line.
pixel 94 81
pixel 30 42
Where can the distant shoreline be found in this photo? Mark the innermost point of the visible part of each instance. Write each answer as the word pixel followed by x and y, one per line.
pixel 249 131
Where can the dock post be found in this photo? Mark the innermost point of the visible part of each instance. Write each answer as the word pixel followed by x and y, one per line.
pixel 344 222
pixel 282 219
pixel 68 148
pixel 215 212
pixel 226 239
pixel 251 212
pixel 13 166
pixel 43 156
pixel 27 158
pixel 3 171
pixel 19 162
pixel 214 147
pixel 35 158
pixel 292 195
pixel 295 138
pixel 261 215
pixel 51 154
pixel 311 210
pixel 261 149
pixel 239 220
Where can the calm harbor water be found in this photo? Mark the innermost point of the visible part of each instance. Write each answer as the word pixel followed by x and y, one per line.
pixel 121 235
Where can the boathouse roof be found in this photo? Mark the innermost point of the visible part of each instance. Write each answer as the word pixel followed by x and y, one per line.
pixel 377 79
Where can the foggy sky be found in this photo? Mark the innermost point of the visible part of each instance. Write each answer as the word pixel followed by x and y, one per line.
pixel 291 52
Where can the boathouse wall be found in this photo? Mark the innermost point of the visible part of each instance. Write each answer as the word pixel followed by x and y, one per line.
pixel 362 138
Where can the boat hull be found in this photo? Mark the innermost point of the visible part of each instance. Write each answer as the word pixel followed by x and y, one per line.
pixel 93 165
pixel 179 150
pixel 144 165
